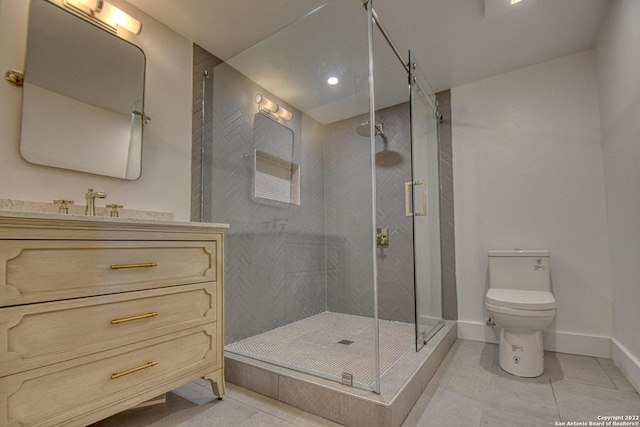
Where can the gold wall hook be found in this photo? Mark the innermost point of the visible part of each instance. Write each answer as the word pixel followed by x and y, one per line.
pixel 14 77
pixel 145 117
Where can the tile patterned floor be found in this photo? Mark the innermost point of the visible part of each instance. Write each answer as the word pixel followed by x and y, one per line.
pixel 468 390
pixel 311 345
pixel 194 405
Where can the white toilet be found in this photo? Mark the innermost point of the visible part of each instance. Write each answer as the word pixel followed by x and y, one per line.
pixel 520 302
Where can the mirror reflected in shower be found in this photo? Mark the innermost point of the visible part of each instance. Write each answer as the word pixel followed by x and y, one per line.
pixel 276 176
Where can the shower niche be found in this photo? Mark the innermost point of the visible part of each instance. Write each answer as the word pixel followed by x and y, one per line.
pixel 276 174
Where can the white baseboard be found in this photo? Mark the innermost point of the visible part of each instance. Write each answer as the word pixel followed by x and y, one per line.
pixel 627 363
pixel 562 342
pixel 478 332
pixel 585 345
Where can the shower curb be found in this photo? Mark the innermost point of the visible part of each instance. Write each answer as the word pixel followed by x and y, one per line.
pixel 401 385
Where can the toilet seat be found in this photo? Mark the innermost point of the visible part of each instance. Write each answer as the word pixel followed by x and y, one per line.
pixel 519 312
pixel 520 299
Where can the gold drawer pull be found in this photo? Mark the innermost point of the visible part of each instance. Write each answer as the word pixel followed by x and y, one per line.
pixel 131 371
pixel 143 265
pixel 129 319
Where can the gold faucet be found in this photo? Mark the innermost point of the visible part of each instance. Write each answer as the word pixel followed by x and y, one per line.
pixel 91 201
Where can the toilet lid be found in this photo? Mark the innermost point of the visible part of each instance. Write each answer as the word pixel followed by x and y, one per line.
pixel 524 300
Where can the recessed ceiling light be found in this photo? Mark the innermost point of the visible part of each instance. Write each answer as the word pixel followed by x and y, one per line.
pixel 333 81
pixel 515 1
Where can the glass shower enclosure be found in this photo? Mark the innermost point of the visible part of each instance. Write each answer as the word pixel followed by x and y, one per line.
pixel 320 139
pixel 425 188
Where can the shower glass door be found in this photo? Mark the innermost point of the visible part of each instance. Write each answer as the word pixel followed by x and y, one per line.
pixel 422 199
pixel 293 178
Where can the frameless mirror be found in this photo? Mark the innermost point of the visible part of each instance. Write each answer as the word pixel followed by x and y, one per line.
pixel 83 96
pixel 276 175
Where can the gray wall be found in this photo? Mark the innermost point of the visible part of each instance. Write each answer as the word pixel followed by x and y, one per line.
pixel 202 61
pixel 347 201
pixel 348 219
pixel 447 228
pixel 348 215
pixel 393 169
pixel 275 262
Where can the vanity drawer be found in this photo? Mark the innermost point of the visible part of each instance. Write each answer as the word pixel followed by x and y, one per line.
pixel 56 394
pixel 36 335
pixel 40 271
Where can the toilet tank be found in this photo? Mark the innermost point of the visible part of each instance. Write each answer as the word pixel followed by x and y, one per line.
pixel 519 269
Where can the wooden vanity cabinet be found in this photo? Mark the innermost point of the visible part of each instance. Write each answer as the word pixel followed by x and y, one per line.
pixel 99 315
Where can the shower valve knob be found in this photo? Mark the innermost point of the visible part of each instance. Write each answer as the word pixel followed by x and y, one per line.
pixel 382 236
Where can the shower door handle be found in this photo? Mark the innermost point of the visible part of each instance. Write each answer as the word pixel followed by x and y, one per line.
pixel 407 198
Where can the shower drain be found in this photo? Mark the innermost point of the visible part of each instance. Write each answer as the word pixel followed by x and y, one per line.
pixel 345 342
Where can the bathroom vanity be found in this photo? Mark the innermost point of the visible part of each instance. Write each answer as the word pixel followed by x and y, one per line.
pixel 98 315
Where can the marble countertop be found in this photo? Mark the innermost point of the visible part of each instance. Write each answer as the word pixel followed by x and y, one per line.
pixel 105 219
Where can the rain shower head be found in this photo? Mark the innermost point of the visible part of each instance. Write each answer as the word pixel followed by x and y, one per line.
pixel 386 157
pixel 364 129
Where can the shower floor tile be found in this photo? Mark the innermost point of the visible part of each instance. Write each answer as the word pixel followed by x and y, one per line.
pixel 313 345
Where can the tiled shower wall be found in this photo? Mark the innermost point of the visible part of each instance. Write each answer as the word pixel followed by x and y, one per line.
pixel 447 228
pixel 285 263
pixel 275 262
pixel 202 61
pixel 346 162
pixel 393 169
pixel 348 214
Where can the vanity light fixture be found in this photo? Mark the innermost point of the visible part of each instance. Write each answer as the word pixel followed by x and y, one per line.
pixel 106 14
pixel 272 109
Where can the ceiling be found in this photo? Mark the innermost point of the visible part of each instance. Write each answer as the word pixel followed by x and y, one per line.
pixel 458 44
pixel 455 42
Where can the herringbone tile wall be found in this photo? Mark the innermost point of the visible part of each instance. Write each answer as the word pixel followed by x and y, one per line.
pixel 202 61
pixel 275 260
pixel 348 214
pixel 393 169
pixel 447 235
